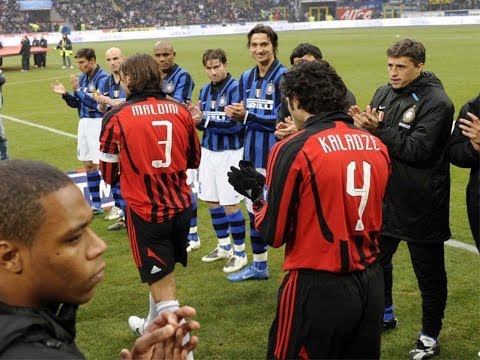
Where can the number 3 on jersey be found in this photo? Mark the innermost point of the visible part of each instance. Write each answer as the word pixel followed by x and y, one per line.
pixel 362 192
pixel 167 143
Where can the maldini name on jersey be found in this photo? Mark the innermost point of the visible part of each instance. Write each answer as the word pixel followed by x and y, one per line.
pixel 154 109
pixel 346 142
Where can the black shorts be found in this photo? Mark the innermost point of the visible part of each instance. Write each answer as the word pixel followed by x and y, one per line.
pixel 157 247
pixel 323 315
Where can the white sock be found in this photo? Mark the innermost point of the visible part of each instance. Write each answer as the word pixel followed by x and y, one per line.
pixel 172 305
pixel 152 311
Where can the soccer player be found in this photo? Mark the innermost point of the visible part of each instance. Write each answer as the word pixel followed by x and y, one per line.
pixel 178 84
pixel 110 95
pixel 413 116
pixel 156 141
pixel 260 101
pixel 222 147
pixel 302 52
pixel 323 201
pixel 51 262
pixel 464 151
pixel 3 138
pixel 84 87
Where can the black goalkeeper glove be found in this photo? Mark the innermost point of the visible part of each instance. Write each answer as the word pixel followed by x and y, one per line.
pixel 246 180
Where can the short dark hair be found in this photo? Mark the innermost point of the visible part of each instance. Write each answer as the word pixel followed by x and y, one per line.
pixel 144 73
pixel 23 183
pixel 316 86
pixel 305 49
pixel 87 53
pixel 409 48
pixel 214 54
pixel 264 29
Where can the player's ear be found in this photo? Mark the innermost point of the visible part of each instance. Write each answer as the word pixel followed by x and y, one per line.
pixel 10 257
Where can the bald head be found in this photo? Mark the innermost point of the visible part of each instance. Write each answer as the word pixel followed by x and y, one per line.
pixel 113 58
pixel 164 55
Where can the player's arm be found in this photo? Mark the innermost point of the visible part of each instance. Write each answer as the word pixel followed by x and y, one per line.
pixel 184 88
pixel 109 152
pixel 193 160
pixel 277 207
pixel 461 151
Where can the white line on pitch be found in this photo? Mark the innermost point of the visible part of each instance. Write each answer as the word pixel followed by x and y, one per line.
pixel 28 123
pixel 461 245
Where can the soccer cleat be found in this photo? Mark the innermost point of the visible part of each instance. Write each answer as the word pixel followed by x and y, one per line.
pixel 193 244
pixel 71 66
pixel 390 325
pixel 235 263
pixel 217 254
pixel 425 348
pixel 249 273
pixel 114 213
pixel 137 324
pixel 64 67
pixel 97 210
pixel 119 224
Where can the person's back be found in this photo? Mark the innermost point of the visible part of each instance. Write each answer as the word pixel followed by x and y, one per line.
pixel 150 161
pixel 348 170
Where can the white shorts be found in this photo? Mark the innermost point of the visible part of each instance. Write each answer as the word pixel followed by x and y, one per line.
pixel 88 144
pixel 213 179
pixel 248 202
pixel 192 180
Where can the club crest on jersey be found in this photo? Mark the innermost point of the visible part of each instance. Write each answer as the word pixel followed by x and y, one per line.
pixel 270 88
pixel 222 102
pixel 91 88
pixel 258 93
pixel 409 115
pixel 169 88
pixel 213 103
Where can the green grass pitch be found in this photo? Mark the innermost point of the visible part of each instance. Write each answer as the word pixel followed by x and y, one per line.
pixel 235 318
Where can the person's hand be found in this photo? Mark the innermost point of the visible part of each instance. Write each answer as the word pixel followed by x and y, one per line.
pixel 74 82
pixel 163 338
pixel 246 180
pixel 236 111
pixel 195 111
pixel 285 128
pixel 367 119
pixel 58 88
pixel 471 129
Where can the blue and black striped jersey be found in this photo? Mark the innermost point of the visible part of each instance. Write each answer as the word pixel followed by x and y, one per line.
pixel 82 99
pixel 112 89
pixel 178 84
pixel 262 99
pixel 219 131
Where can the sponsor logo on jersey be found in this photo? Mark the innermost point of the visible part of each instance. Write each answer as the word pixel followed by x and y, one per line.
pixel 260 104
pixel 155 269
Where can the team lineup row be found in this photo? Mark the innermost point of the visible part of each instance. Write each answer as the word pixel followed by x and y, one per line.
pixel 341 213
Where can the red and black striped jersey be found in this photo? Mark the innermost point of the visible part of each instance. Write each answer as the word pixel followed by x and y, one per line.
pixel 155 141
pixel 323 196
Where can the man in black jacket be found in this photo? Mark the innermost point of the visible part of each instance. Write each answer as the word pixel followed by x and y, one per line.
pixel 465 152
pixel 413 116
pixel 51 262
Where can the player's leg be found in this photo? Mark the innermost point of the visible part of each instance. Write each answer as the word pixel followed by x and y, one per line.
pixel 473 210
pixel 117 211
pixel 3 142
pixel 193 239
pixel 258 269
pixel 428 262
pixel 91 161
pixel 388 247
pixel 365 339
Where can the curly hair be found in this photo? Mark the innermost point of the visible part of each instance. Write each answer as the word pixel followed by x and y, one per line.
pixel 316 86
pixel 23 184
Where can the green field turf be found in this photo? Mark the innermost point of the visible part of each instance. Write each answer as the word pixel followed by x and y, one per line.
pixel 235 318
